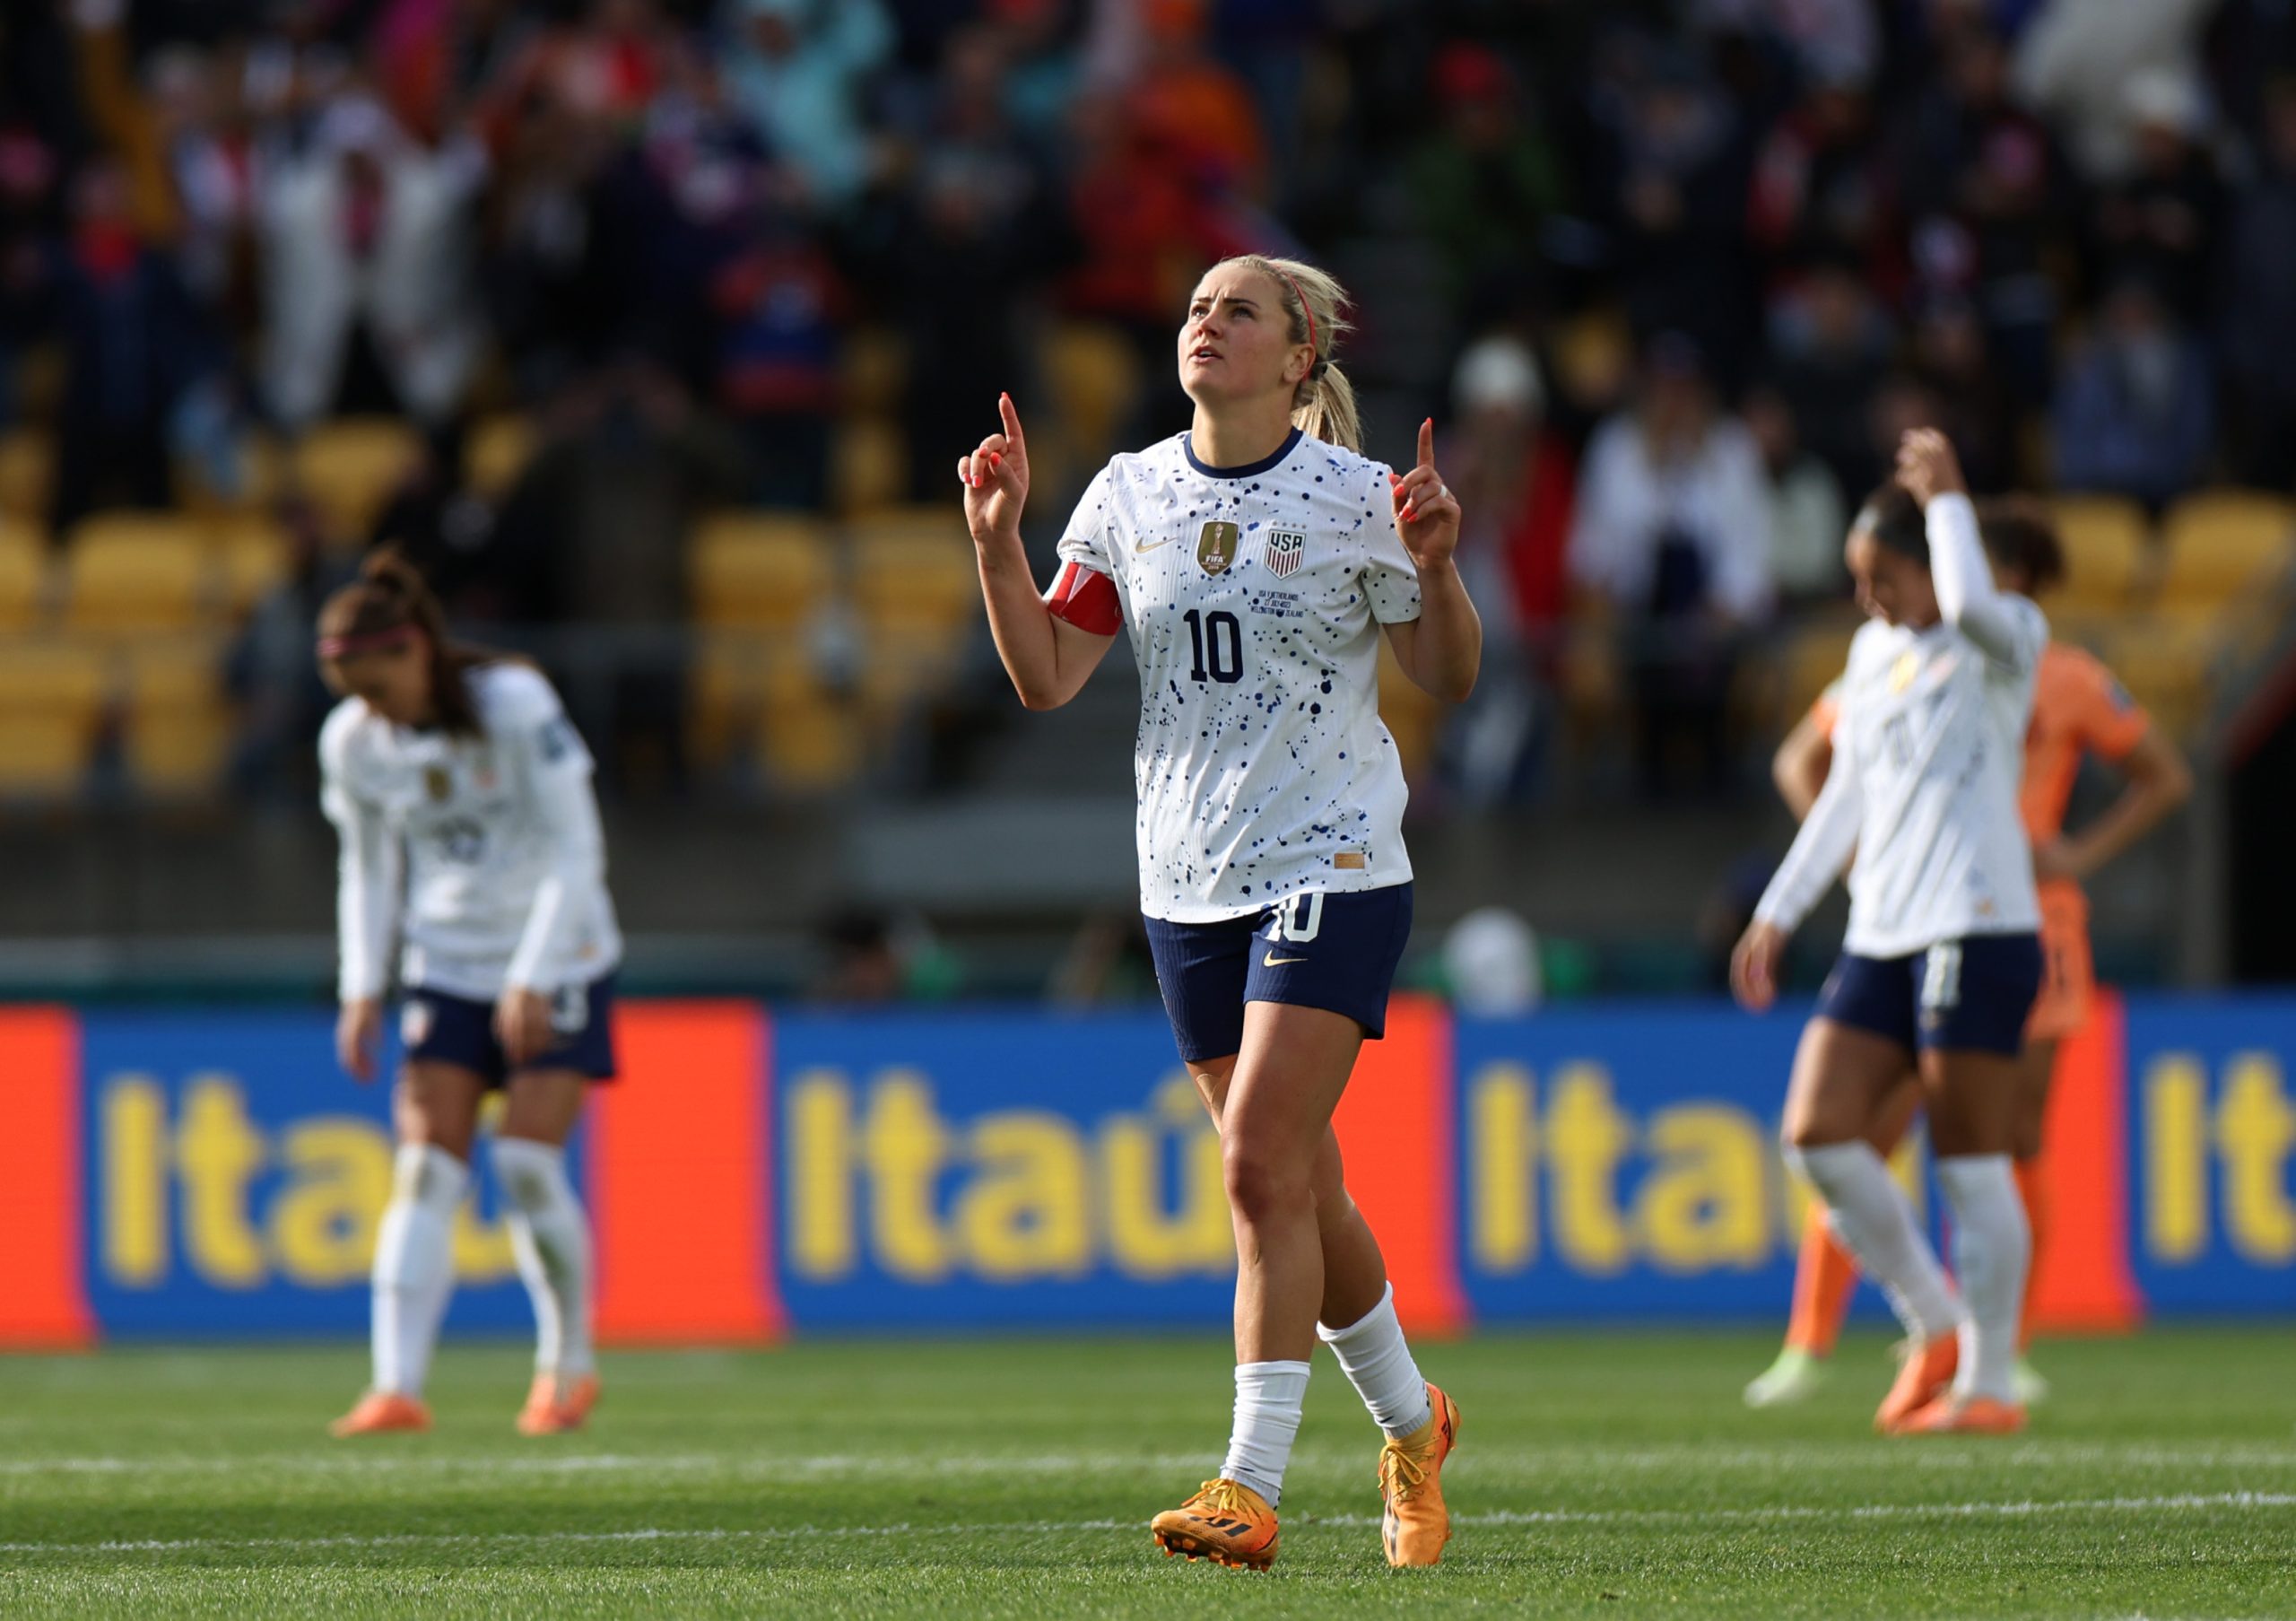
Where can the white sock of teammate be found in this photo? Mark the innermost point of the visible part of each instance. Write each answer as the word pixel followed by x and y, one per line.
pixel 551 1237
pixel 415 1271
pixel 1991 1246
pixel 1871 1215
pixel 1377 1361
pixel 1269 1397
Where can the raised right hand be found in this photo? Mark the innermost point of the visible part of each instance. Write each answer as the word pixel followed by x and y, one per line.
pixel 995 478
pixel 358 1031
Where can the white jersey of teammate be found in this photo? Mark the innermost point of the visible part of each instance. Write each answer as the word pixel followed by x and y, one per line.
pixel 484 851
pixel 1929 752
pixel 1253 597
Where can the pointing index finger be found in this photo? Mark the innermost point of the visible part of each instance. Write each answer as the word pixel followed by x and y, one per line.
pixel 1012 416
pixel 1427 443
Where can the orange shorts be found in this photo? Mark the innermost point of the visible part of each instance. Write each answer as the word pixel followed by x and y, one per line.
pixel 2068 974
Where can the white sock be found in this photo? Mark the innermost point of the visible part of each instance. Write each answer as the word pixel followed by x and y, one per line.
pixel 551 1237
pixel 1269 1396
pixel 414 1270
pixel 1991 1246
pixel 1377 1362
pixel 1870 1214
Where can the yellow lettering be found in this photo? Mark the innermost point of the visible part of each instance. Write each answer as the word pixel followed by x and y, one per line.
pixel 1024 1213
pixel 1144 1240
pixel 1587 1136
pixel 2175 1158
pixel 338 1180
pixel 219 1153
pixel 2256 1130
pixel 1503 1177
pixel 906 1144
pixel 136 1180
pixel 1703 1204
pixel 821 1243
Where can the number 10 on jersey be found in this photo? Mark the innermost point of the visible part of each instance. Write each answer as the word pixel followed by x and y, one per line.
pixel 1219 642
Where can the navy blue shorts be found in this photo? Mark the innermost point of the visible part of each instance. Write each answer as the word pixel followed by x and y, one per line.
pixel 1335 952
pixel 456 1030
pixel 1970 995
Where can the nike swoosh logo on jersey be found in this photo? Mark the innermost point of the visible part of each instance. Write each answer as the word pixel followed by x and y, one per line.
pixel 1271 961
pixel 1139 550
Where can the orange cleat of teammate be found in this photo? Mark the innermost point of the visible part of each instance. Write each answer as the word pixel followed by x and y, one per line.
pixel 1413 1523
pixel 382 1413
pixel 1925 1377
pixel 555 1405
pixel 1226 1522
pixel 1967 1415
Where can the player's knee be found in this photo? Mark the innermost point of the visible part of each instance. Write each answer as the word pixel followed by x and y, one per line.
pixel 1262 1181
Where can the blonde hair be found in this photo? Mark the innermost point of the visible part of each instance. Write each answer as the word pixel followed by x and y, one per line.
pixel 1313 301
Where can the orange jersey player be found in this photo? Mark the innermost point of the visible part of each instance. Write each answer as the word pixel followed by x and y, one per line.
pixel 2079 711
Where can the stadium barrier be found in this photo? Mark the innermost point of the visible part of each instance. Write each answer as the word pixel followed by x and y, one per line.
pixel 171 1174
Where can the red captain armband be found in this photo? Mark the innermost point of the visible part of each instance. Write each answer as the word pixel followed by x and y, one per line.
pixel 1086 598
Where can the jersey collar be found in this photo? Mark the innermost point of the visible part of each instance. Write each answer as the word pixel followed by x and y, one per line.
pixel 1249 469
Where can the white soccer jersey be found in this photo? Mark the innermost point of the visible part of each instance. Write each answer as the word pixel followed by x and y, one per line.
pixel 1253 597
pixel 496 839
pixel 1929 753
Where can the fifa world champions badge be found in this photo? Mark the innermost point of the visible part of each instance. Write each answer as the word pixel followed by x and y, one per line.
pixel 1217 546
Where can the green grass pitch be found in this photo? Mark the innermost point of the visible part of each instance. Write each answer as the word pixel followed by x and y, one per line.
pixel 1610 1475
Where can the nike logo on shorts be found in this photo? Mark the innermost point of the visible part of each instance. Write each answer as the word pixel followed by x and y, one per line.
pixel 1271 961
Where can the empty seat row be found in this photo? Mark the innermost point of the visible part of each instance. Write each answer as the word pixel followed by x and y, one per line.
pixel 2210 548
pixel 138 571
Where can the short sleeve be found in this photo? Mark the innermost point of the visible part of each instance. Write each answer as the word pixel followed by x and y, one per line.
pixel 524 714
pixel 2111 723
pixel 1390 579
pixel 1091 536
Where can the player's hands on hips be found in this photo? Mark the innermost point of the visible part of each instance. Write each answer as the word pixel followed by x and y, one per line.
pixel 995 478
pixel 1927 466
pixel 2057 858
pixel 1753 966
pixel 1426 514
pixel 358 1032
pixel 522 1024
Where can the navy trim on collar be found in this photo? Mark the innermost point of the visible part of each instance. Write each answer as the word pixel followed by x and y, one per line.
pixel 1249 469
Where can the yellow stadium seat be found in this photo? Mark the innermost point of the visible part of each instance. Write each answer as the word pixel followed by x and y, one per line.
pixel 2223 544
pixel 732 673
pixel 251 557
pixel 178 723
pixel 261 468
pixel 498 450
pixel 52 697
pixel 914 567
pixel 869 464
pixel 27 465
pixel 812 743
pixel 134 573
pixel 349 469
pixel 23 574
pixel 2106 540
pixel 2167 660
pixel 873 371
pixel 1093 374
pixel 759 570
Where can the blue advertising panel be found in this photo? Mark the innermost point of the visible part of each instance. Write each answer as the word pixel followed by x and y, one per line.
pixel 989 1169
pixel 234 1177
pixel 1622 1164
pixel 2212 1133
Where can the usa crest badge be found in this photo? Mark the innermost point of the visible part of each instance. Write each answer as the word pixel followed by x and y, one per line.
pixel 1286 548
pixel 1216 547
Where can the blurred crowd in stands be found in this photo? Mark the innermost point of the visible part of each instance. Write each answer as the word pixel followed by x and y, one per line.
pixel 1672 275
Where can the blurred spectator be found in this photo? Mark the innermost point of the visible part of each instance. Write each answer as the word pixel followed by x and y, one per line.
pixel 209 152
pixel 1671 537
pixel 798 67
pixel 1969 399
pixel 1831 342
pixel 132 347
pixel 1199 107
pixel 447 530
pixel 270 671
pixel 2159 221
pixel 2079 57
pixel 2256 324
pixel 1823 185
pixel 2134 416
pixel 1831 41
pixel 1807 524
pixel 1484 180
pixel 369 270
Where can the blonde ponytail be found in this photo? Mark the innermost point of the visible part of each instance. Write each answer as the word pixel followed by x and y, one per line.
pixel 1324 403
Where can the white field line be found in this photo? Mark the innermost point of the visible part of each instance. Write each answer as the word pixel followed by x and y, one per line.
pixel 1531 1517
pixel 2027 1454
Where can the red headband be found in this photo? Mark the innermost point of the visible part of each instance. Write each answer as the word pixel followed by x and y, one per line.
pixel 370 642
pixel 1305 309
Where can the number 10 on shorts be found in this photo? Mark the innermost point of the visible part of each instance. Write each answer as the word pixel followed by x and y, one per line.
pixel 1298 918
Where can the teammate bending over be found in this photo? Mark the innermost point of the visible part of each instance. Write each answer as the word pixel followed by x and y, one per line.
pixel 2078 709
pixel 460 768
pixel 1254 562
pixel 1943 957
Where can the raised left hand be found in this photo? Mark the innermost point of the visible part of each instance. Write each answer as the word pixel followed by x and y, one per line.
pixel 1426 514
pixel 522 1024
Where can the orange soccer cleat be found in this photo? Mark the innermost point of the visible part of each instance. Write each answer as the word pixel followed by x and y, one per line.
pixel 1226 1522
pixel 382 1413
pixel 1923 1376
pixel 555 1405
pixel 1414 1522
pixel 1967 1415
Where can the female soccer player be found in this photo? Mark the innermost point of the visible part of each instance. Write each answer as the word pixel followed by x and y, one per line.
pixel 2078 709
pixel 1942 957
pixel 460 767
pixel 1255 560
